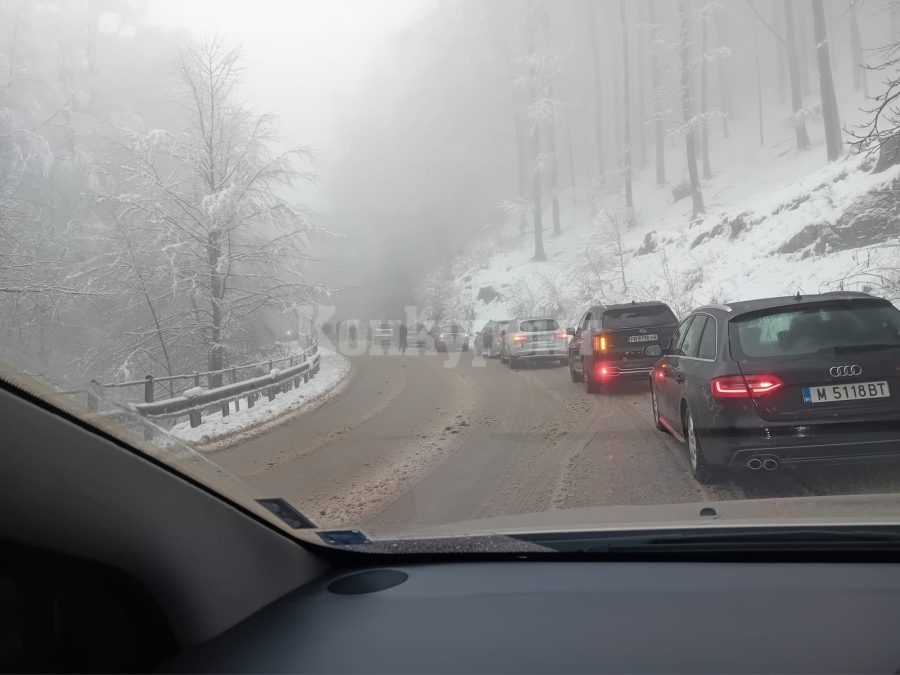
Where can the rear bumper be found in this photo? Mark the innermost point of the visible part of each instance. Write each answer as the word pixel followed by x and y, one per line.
pixel 612 372
pixel 540 355
pixel 821 447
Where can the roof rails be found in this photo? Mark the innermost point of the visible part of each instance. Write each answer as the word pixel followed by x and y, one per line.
pixel 850 294
pixel 724 308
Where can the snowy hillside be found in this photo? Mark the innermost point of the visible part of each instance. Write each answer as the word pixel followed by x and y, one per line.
pixel 778 222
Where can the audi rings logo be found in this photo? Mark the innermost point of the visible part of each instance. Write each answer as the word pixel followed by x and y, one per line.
pixel 845 371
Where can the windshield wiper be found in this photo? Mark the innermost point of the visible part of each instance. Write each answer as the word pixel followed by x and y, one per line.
pixel 743 539
pixel 870 347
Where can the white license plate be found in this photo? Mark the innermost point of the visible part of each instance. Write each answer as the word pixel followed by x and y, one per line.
pixel 846 392
pixel 643 338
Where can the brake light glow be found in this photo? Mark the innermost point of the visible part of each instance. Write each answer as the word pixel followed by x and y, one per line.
pixel 661 372
pixel 599 343
pixel 560 336
pixel 746 386
pixel 520 338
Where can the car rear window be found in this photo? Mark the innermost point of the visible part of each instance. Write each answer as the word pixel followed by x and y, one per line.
pixel 384 325
pixel 418 327
pixel 451 329
pixel 502 325
pixel 538 325
pixel 638 317
pixel 815 329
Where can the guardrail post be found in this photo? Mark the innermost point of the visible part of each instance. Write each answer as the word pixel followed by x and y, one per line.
pixel 270 366
pixel 251 399
pixel 92 397
pixel 226 408
pixel 272 393
pixel 194 416
pixel 237 404
pixel 233 372
pixel 292 362
pixel 148 389
pixel 196 379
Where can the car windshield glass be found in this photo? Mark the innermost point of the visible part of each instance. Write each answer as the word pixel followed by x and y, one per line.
pixel 206 205
pixel 638 317
pixel 538 325
pixel 817 329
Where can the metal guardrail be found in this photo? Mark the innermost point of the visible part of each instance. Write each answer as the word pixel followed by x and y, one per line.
pixel 217 398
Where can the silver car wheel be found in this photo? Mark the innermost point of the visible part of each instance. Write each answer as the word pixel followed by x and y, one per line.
pixel 692 440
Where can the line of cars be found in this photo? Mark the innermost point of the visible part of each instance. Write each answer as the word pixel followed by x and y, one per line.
pixel 441 336
pixel 758 384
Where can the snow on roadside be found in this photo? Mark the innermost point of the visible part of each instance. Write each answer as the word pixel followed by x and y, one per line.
pixel 333 368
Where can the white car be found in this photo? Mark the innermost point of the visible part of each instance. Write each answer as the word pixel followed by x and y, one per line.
pixel 533 339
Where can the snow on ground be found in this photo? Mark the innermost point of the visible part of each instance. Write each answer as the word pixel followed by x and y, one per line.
pixel 776 192
pixel 333 368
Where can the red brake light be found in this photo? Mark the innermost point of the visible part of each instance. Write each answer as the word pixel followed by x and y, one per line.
pixel 520 338
pixel 560 336
pixel 746 386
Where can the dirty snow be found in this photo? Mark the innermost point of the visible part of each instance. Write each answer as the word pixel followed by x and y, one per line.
pixel 333 369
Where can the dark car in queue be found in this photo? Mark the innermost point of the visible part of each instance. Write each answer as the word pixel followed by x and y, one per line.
pixel 487 341
pixel 783 382
pixel 450 335
pixel 610 340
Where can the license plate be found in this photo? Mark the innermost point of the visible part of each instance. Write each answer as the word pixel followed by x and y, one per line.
pixel 846 392
pixel 643 338
pixel 544 338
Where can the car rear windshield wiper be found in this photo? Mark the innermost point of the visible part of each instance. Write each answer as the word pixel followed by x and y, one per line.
pixel 870 347
pixel 734 539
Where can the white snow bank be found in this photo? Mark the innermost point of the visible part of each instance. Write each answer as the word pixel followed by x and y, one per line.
pixel 333 368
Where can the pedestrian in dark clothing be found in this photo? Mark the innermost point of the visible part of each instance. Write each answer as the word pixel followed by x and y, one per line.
pixel 403 338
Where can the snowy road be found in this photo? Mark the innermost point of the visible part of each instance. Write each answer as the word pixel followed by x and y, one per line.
pixel 411 442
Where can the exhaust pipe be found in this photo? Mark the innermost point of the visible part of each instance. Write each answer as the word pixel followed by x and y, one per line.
pixel 770 464
pixel 754 463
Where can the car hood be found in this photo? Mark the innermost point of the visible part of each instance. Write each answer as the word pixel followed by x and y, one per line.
pixel 804 511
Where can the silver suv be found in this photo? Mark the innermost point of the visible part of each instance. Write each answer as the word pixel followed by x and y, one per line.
pixel 533 339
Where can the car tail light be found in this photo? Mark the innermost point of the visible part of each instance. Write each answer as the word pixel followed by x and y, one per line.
pixel 599 343
pixel 520 338
pixel 560 336
pixel 661 372
pixel 745 386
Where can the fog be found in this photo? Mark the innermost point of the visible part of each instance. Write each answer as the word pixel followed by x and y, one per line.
pixel 180 178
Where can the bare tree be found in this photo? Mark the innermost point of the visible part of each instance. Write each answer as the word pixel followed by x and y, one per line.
pixel 551 139
pixel 859 71
pixel 658 124
pixel 762 138
pixel 531 27
pixel 833 140
pixel 704 105
pixel 598 95
pixel 724 82
pixel 626 78
pixel 570 153
pixel 685 44
pixel 789 43
pixel 204 204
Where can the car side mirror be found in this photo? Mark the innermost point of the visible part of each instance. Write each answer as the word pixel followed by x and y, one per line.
pixel 570 331
pixel 653 350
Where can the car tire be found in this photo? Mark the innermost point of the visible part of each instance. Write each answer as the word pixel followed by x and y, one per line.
pixel 513 363
pixel 591 386
pixel 657 422
pixel 465 348
pixel 575 377
pixel 700 468
pixel 502 360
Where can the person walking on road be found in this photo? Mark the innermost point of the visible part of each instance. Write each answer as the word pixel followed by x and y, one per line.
pixel 403 332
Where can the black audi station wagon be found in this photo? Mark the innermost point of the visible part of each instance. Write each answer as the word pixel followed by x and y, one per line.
pixel 782 382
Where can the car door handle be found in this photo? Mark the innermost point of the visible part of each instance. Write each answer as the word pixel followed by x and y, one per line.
pixel 679 378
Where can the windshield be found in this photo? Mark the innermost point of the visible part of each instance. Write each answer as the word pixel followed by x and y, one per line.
pixel 638 317
pixel 280 234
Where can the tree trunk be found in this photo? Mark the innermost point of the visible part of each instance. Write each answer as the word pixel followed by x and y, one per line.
pixel 554 173
pixel 803 50
pixel 762 138
pixel 598 94
pixel 794 71
pixel 626 95
pixel 658 125
pixel 216 295
pixel 779 55
pixel 551 146
pixel 859 72
pixel 833 139
pixel 617 91
pixel 642 89
pixel 535 152
pixel 724 83
pixel 570 154
pixel 704 130
pixel 687 107
pixel 522 152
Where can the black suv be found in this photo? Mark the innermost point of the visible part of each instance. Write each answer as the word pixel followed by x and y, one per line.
pixel 783 382
pixel 610 341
